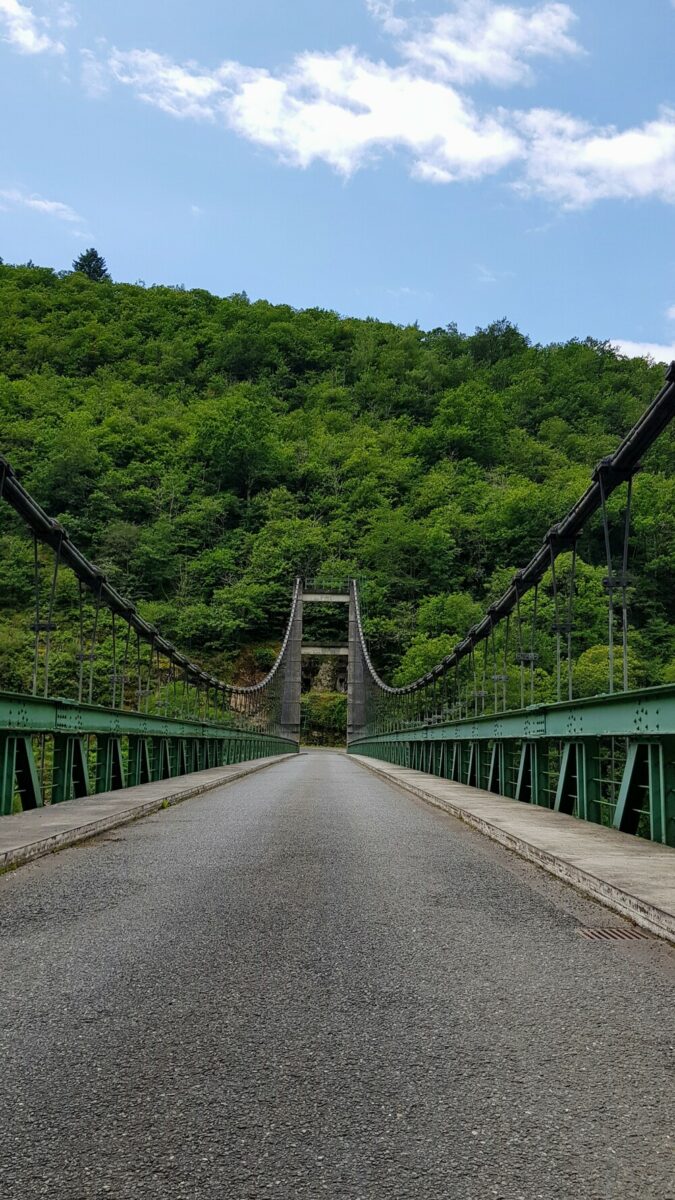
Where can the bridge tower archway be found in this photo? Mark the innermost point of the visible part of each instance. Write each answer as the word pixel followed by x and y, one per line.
pixel 297 649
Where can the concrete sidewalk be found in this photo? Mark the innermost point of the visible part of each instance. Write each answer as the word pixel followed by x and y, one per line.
pixel 28 835
pixel 633 877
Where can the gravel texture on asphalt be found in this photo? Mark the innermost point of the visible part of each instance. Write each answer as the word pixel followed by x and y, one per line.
pixel 309 984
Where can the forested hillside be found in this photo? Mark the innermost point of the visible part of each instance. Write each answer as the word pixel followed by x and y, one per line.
pixel 205 451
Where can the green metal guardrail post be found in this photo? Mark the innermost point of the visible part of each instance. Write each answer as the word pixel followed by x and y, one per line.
pixel 661 782
pixel 28 780
pixel 71 769
pixel 7 773
pixel 140 770
pixel 109 763
pixel 588 769
pixel 662 790
pixel 565 795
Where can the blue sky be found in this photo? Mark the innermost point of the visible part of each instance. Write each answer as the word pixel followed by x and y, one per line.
pixel 429 160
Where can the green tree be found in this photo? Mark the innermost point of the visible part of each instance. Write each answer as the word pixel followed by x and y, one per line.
pixel 668 673
pixel 591 671
pixel 236 439
pixel 421 656
pixel 92 264
pixel 204 450
pixel 452 612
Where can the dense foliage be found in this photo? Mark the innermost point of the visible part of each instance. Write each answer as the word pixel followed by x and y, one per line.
pixel 205 451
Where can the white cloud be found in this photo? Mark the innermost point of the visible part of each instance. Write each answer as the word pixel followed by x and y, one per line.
pixel 345 109
pixel 384 11
pixel 94 74
pixel 339 108
pixel 481 40
pixel 24 31
pixel 407 293
pixel 181 91
pixel 571 161
pixel 15 198
pixel 488 275
pixel 196 211
pixel 65 16
pixel 484 274
pixel 670 312
pixel 653 350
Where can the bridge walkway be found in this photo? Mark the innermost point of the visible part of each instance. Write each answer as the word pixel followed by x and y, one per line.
pixel 28 835
pixel 631 875
pixel 311 984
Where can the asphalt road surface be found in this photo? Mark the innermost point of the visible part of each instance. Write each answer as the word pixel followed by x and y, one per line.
pixel 308 984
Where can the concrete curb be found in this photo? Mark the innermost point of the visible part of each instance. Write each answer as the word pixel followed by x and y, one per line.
pixel 657 921
pixel 19 855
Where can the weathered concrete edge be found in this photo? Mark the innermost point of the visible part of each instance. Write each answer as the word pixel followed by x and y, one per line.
pixel 640 912
pixel 18 857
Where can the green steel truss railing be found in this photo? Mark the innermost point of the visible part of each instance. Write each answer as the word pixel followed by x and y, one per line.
pixel 610 758
pixel 52 750
pixel 136 709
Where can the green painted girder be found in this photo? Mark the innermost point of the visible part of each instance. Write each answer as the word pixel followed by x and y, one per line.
pixel 521 770
pixel 18 773
pixel 71 769
pixel 32 714
pixel 158 748
pixel 109 764
pixel 648 712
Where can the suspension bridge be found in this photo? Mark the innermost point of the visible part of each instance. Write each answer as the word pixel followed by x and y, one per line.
pixel 305 981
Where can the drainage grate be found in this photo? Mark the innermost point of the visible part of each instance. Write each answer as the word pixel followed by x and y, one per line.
pixel 610 934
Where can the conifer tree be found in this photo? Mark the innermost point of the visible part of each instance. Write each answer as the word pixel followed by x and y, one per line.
pixel 93 265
